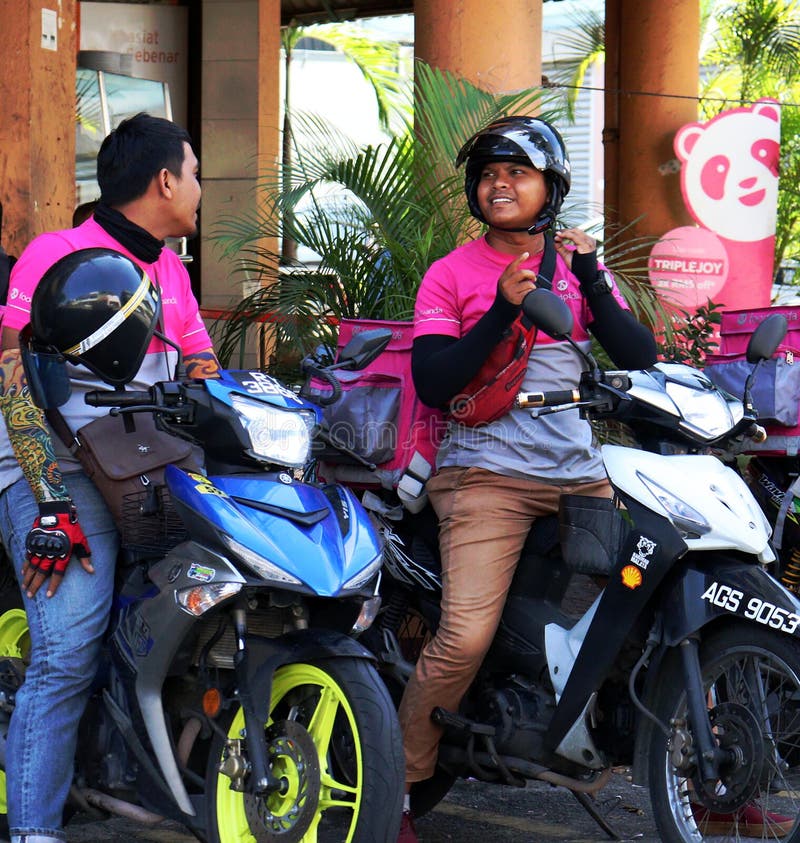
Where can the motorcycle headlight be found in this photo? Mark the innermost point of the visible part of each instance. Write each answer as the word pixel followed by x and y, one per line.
pixel 278 436
pixel 705 411
pixel 257 563
pixel 365 574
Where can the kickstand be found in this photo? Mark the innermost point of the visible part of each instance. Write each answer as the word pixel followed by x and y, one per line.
pixel 588 805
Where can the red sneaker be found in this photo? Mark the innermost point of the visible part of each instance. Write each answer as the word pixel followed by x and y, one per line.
pixel 408 834
pixel 749 821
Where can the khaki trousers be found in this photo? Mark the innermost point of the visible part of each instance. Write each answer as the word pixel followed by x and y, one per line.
pixel 484 519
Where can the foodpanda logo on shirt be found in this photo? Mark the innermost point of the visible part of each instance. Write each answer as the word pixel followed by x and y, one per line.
pixel 17 294
pixel 169 300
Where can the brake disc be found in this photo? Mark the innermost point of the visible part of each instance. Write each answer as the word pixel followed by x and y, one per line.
pixel 285 815
pixel 737 731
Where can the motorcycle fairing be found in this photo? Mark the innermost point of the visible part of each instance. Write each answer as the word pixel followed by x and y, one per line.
pixel 337 536
pixel 648 554
pixel 720 586
pixel 734 519
pixel 260 386
pixel 165 622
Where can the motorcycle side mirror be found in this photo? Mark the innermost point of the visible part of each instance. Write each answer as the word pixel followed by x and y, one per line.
pixel 766 338
pixel 548 313
pixel 363 348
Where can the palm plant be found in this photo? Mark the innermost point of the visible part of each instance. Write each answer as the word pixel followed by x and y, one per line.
pixel 397 207
pixel 378 216
pixel 376 60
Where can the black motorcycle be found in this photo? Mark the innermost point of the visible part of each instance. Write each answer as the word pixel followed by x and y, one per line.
pixel 648 631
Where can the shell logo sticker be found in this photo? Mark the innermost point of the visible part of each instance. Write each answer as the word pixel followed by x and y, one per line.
pixel 631 576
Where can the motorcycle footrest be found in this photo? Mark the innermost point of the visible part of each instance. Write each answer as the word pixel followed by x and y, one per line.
pixel 456 723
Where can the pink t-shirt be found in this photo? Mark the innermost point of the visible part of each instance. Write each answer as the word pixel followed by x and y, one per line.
pixel 455 292
pixel 458 289
pixel 180 313
pixel 180 321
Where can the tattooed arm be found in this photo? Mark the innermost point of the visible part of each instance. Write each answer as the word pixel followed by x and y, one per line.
pixel 33 447
pixel 202 364
pixel 27 430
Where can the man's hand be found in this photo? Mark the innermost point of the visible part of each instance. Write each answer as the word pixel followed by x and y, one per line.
pixel 582 260
pixel 515 283
pixel 54 537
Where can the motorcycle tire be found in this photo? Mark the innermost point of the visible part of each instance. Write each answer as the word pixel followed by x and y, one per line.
pixel 752 678
pixel 333 736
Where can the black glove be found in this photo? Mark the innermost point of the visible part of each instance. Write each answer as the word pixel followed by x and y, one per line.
pixel 54 537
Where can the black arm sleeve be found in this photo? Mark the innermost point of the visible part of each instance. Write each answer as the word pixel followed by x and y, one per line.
pixel 628 343
pixel 442 366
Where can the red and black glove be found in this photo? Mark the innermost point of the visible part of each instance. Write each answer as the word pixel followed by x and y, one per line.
pixel 54 537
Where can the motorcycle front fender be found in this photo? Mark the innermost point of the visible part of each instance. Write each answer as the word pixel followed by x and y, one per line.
pixel 266 655
pixel 720 585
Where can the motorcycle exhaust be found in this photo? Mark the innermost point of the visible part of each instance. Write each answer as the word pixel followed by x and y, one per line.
pixel 120 808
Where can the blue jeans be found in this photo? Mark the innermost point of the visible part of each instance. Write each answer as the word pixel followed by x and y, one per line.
pixel 66 636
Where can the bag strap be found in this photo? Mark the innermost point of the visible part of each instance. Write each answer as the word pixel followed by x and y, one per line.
pixel 59 424
pixel 544 280
pixel 547 268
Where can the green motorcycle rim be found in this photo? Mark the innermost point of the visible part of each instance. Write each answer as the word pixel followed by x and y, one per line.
pixel 307 710
pixel 14 644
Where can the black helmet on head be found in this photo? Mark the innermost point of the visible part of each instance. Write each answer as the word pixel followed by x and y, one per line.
pixel 98 308
pixel 530 140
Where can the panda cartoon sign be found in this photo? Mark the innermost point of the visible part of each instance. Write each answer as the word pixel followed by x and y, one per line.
pixel 729 180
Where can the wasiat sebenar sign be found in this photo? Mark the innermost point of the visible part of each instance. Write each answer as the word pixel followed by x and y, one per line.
pixel 729 180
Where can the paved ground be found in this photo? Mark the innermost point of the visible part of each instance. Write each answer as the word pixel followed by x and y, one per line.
pixel 472 813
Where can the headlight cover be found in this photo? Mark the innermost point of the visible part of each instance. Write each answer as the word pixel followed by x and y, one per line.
pixel 365 574
pixel 706 412
pixel 277 436
pixel 258 564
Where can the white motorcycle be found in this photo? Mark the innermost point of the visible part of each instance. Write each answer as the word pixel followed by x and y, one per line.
pixel 687 664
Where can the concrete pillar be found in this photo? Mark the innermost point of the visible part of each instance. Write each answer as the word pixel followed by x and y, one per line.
pixel 651 49
pixel 37 118
pixel 496 46
pixel 239 129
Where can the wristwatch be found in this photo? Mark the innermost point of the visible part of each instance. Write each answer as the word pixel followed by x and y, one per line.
pixel 602 284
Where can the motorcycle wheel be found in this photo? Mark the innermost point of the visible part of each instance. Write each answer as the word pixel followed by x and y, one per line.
pixel 333 737
pixel 14 645
pixel 752 678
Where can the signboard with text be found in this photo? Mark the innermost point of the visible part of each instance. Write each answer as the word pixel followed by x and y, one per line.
pixel 155 36
pixel 729 180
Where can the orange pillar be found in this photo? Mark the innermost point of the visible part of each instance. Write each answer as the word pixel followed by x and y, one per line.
pixel 38 42
pixel 496 46
pixel 652 60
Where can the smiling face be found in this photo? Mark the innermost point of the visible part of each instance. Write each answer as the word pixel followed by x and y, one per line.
pixel 510 194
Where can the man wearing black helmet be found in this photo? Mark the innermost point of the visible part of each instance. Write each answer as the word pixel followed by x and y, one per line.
pixel 49 509
pixel 494 480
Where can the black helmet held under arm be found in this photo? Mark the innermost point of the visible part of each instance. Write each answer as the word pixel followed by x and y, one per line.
pixel 98 308
pixel 530 140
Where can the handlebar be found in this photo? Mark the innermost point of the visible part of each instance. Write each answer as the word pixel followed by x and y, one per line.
pixel 118 398
pixel 553 398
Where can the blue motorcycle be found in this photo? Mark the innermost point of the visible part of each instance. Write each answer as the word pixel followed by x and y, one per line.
pixel 234 696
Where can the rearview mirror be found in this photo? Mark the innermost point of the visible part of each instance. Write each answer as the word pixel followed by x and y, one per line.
pixel 766 338
pixel 363 348
pixel 549 313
